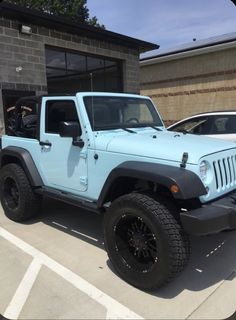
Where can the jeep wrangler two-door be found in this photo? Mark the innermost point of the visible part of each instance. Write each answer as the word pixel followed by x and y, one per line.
pixel 111 154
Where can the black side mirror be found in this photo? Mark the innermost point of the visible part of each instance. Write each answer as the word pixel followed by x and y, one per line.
pixel 71 129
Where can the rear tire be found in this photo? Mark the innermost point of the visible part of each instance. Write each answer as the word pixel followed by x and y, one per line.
pixel 144 241
pixel 17 197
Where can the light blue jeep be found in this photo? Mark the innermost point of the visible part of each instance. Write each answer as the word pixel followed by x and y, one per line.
pixel 111 154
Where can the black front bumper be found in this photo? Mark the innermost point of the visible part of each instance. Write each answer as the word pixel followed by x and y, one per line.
pixel 211 218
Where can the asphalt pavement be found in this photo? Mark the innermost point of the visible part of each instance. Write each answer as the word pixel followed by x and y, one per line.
pixel 55 267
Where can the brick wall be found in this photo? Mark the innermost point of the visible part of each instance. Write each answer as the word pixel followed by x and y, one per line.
pixel 190 85
pixel 28 51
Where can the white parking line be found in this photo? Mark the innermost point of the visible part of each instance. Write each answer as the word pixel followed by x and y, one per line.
pixel 14 308
pixel 113 307
pixel 84 235
pixel 60 225
pixel 75 231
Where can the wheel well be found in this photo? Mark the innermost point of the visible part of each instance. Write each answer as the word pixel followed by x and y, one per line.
pixel 125 185
pixel 6 159
pixel 119 187
pixel 26 164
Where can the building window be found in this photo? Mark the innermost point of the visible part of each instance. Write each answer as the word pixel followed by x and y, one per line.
pixel 70 72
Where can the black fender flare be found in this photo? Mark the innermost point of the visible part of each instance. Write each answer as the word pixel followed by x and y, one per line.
pixel 189 184
pixel 24 158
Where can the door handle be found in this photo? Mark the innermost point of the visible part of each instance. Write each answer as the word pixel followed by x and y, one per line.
pixel 45 143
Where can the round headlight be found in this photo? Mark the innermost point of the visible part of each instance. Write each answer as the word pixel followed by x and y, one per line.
pixel 203 170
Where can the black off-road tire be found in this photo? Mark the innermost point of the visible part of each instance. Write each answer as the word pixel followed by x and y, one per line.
pixel 17 197
pixel 138 221
pixel 175 213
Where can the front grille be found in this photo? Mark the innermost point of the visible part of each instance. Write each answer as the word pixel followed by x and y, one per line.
pixel 225 173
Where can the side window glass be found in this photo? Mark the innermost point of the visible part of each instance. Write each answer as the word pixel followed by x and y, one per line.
pixel 59 111
pixel 224 124
pixel 196 126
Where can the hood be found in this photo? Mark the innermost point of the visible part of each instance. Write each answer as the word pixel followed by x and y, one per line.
pixel 163 145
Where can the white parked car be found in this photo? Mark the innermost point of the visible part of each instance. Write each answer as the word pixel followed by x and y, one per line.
pixel 217 124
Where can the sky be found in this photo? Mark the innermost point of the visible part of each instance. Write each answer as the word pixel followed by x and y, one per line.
pixel 166 22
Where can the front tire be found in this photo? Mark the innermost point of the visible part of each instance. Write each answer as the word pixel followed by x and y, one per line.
pixel 17 197
pixel 144 242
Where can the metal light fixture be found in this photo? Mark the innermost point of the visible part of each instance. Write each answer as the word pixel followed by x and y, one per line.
pixel 25 29
pixel 19 69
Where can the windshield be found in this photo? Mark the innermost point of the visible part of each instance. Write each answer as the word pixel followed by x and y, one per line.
pixel 106 112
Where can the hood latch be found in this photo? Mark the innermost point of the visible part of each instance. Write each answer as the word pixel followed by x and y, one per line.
pixel 184 160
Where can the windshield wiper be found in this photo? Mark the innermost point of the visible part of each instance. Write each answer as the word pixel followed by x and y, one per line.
pixel 128 130
pixel 155 128
pixel 114 128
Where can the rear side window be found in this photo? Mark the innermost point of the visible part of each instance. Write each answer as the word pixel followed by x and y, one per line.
pixel 224 124
pixel 59 111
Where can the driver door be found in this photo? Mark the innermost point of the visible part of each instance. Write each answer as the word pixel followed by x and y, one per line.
pixel 63 165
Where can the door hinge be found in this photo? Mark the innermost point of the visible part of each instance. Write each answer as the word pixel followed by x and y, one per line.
pixel 84 180
pixel 83 154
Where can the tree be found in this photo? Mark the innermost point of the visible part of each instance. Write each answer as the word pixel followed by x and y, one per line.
pixel 77 10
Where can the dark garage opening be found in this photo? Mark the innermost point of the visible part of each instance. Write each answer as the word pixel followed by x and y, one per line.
pixel 70 72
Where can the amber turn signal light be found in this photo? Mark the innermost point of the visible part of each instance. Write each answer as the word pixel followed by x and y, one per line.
pixel 174 188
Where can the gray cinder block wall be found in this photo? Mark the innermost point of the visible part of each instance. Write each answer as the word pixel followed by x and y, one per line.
pixel 28 53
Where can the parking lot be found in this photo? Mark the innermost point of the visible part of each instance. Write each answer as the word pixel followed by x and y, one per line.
pixel 56 267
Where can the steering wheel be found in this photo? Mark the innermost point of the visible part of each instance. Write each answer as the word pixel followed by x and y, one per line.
pixel 132 120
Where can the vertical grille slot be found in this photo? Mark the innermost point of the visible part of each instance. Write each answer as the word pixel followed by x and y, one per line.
pixel 225 172
pixel 221 176
pixel 232 161
pixel 230 172
pixel 217 183
pixel 234 164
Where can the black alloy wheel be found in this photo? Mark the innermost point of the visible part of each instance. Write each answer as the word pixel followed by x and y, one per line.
pixel 136 242
pixel 11 193
pixel 18 199
pixel 146 245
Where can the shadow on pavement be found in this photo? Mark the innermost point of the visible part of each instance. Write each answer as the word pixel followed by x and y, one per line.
pixel 213 257
pixel 82 224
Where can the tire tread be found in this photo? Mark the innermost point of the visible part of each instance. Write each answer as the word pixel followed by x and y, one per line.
pixel 179 248
pixel 29 202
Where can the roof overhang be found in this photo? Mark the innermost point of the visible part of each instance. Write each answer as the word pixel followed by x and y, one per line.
pixel 188 53
pixel 62 24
